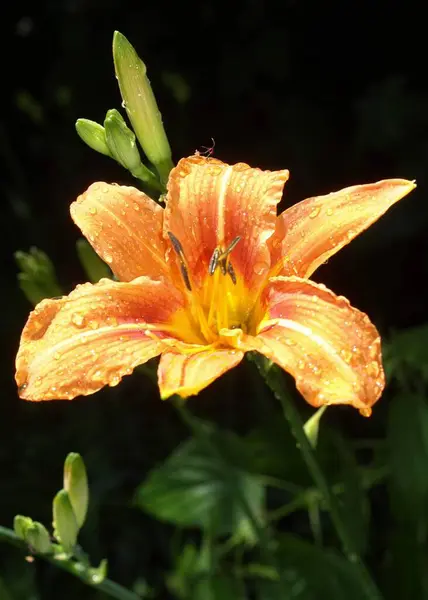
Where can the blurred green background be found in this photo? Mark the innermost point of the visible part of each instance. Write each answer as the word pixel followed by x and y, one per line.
pixel 334 91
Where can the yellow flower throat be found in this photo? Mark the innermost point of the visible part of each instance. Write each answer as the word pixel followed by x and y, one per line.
pixel 220 309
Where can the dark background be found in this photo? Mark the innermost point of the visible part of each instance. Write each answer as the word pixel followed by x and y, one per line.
pixel 335 91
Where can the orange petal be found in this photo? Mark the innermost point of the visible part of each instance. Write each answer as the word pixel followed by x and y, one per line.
pixel 211 203
pixel 309 232
pixel 188 373
pixel 79 343
pixel 124 226
pixel 331 349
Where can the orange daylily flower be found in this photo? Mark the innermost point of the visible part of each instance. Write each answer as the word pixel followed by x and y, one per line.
pixel 213 275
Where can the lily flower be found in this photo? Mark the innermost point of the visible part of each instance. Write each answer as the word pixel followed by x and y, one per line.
pixel 214 274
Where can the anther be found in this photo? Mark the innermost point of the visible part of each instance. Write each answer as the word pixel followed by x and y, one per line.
pixel 180 253
pixel 219 259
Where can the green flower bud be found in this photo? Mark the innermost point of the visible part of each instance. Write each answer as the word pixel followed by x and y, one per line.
pixel 121 141
pixel 38 538
pixel 64 521
pixel 123 148
pixel 37 278
pixel 76 485
pixel 21 524
pixel 92 264
pixel 140 104
pixel 93 134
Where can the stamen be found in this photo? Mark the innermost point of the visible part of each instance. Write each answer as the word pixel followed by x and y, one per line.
pixel 231 272
pixel 180 253
pixel 219 258
pixel 213 261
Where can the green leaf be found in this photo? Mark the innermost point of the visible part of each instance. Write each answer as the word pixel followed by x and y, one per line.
pixel 312 425
pixel 140 104
pixel 94 135
pixel 37 278
pixel 317 572
pixel 205 485
pixel 218 587
pixel 353 500
pixel 408 448
pixel 94 267
pixel 407 349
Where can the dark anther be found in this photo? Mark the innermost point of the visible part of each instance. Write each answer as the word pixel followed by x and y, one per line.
pixel 213 262
pixel 180 253
pixel 231 272
pixel 219 259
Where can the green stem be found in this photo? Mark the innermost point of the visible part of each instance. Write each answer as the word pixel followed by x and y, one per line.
pixel 274 380
pixel 112 589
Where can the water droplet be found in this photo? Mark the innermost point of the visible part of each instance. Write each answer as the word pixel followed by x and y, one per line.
pixel 136 206
pixel 108 258
pixel 93 324
pixel 290 342
pixel 346 355
pixel 373 369
pixel 329 212
pixel 114 381
pixel 238 188
pixel 260 268
pixel 38 382
pixel 315 212
pixel 78 319
pixel 93 210
pixel 57 356
pixel 301 364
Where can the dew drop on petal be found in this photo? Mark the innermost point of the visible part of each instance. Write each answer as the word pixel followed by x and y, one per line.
pixel 290 342
pixel 329 212
pixel 93 210
pixel 136 206
pixel 373 369
pixel 315 212
pixel 78 319
pixel 108 258
pixel 260 268
pixel 57 356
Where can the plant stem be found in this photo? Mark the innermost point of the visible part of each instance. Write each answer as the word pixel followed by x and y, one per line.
pixel 112 589
pixel 274 380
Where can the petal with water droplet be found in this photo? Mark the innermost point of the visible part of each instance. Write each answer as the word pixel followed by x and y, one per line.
pixel 77 344
pixel 188 372
pixel 331 364
pixel 224 202
pixel 132 244
pixel 309 232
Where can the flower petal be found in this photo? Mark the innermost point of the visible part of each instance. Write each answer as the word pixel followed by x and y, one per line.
pixel 332 349
pixel 211 203
pixel 309 232
pixel 188 373
pixel 124 226
pixel 79 343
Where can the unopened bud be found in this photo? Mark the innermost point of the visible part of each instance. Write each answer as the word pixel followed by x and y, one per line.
pixel 93 134
pixel 37 537
pixel 64 521
pixel 140 104
pixel 76 485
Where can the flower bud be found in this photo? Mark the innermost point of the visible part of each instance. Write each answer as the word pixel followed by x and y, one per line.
pixel 121 141
pixel 93 134
pixel 140 104
pixel 64 521
pixel 76 485
pixel 37 537
pixel 20 525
